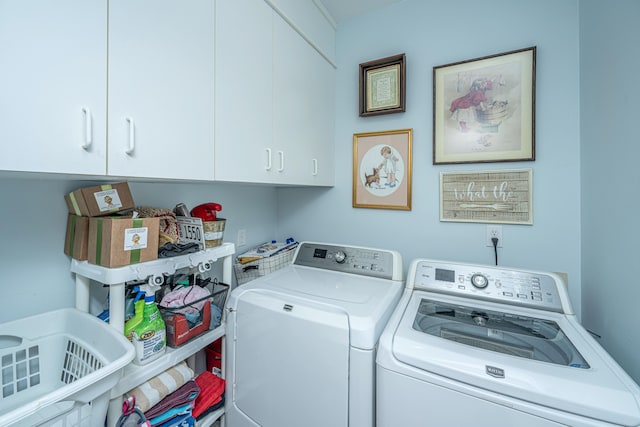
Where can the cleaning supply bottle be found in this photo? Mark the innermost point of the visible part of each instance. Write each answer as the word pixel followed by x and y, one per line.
pixel 150 336
pixel 135 321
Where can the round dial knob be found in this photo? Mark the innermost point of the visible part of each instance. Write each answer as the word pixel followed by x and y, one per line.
pixel 480 281
pixel 340 257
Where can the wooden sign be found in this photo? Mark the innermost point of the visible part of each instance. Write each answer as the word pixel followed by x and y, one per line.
pixel 501 196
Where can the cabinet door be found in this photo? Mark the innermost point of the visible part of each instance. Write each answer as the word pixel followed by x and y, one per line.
pixel 244 91
pixel 304 88
pixel 53 86
pixel 161 89
pixel 321 133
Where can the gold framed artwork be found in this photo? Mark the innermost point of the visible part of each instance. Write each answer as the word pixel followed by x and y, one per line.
pixel 382 86
pixel 497 196
pixel 484 109
pixel 382 169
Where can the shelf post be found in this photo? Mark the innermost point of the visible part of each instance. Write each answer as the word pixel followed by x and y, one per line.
pixel 82 293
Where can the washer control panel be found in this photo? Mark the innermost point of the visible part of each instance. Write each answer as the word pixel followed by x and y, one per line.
pixel 351 259
pixel 517 287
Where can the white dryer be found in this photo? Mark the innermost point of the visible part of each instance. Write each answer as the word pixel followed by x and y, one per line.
pixel 301 342
pixel 488 346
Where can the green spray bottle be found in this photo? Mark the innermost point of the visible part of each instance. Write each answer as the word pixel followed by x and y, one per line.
pixel 149 337
pixel 133 323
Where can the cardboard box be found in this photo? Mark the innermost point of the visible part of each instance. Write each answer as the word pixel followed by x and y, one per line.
pixel 120 241
pixel 76 240
pixel 100 200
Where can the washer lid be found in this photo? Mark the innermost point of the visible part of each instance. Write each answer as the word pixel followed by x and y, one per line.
pixel 368 301
pixel 501 360
pixel 514 334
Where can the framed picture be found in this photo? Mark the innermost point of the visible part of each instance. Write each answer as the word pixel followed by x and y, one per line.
pixel 484 109
pixel 382 86
pixel 382 169
pixel 500 196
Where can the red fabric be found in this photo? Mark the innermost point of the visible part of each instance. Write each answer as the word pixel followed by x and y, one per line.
pixel 211 390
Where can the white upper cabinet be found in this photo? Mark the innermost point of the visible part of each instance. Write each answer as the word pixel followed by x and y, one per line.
pixel 303 127
pixel 161 89
pixel 274 99
pixel 244 91
pixel 53 86
pixel 228 90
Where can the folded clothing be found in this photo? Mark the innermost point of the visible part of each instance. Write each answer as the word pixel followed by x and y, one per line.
pixel 190 296
pixel 211 390
pixel 171 415
pixel 157 388
pixel 211 409
pixel 185 394
pixel 186 420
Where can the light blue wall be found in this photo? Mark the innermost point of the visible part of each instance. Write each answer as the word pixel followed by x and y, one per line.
pixel 435 33
pixel 610 175
pixel 35 271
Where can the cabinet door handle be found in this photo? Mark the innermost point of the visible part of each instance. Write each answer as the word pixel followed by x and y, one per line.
pixel 315 167
pixel 281 156
pixel 88 128
pixel 268 150
pixel 132 136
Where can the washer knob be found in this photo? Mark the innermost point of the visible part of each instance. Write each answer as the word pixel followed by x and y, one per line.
pixel 340 257
pixel 480 281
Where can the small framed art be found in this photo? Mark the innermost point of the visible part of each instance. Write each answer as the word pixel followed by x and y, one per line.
pixel 382 169
pixel 484 109
pixel 382 86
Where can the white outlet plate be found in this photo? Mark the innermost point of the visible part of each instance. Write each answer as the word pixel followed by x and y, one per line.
pixel 241 239
pixel 494 231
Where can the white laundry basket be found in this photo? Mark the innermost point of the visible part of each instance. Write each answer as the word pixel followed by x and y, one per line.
pixel 57 369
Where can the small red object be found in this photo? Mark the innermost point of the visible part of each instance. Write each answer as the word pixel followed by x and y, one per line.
pixel 178 331
pixel 206 211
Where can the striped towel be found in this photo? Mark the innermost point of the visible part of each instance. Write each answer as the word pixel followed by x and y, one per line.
pixel 157 388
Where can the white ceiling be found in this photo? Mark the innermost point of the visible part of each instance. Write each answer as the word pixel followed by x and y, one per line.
pixel 345 9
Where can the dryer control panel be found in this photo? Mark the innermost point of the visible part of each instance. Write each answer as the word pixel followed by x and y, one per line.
pixel 538 290
pixel 385 264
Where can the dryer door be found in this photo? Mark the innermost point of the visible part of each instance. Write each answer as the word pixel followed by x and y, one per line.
pixel 291 361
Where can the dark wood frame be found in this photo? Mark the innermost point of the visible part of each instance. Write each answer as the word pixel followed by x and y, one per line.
pixel 520 65
pixel 379 64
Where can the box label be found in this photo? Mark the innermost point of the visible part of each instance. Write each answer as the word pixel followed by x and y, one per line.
pixel 108 200
pixel 135 238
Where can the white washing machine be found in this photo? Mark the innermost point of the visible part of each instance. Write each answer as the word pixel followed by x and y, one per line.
pixel 488 346
pixel 301 342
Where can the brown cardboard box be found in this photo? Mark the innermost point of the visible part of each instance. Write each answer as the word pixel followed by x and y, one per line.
pixel 100 200
pixel 120 241
pixel 77 237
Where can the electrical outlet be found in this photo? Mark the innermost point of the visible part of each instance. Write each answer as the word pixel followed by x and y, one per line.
pixel 242 238
pixel 494 231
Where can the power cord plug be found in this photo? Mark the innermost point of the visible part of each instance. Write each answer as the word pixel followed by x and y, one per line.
pixel 494 240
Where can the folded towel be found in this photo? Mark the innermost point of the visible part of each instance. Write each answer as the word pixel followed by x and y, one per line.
pixel 181 421
pixel 185 394
pixel 211 390
pixel 171 414
pixel 211 409
pixel 157 388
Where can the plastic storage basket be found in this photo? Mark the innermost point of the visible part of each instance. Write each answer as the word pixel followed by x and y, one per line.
pixel 58 369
